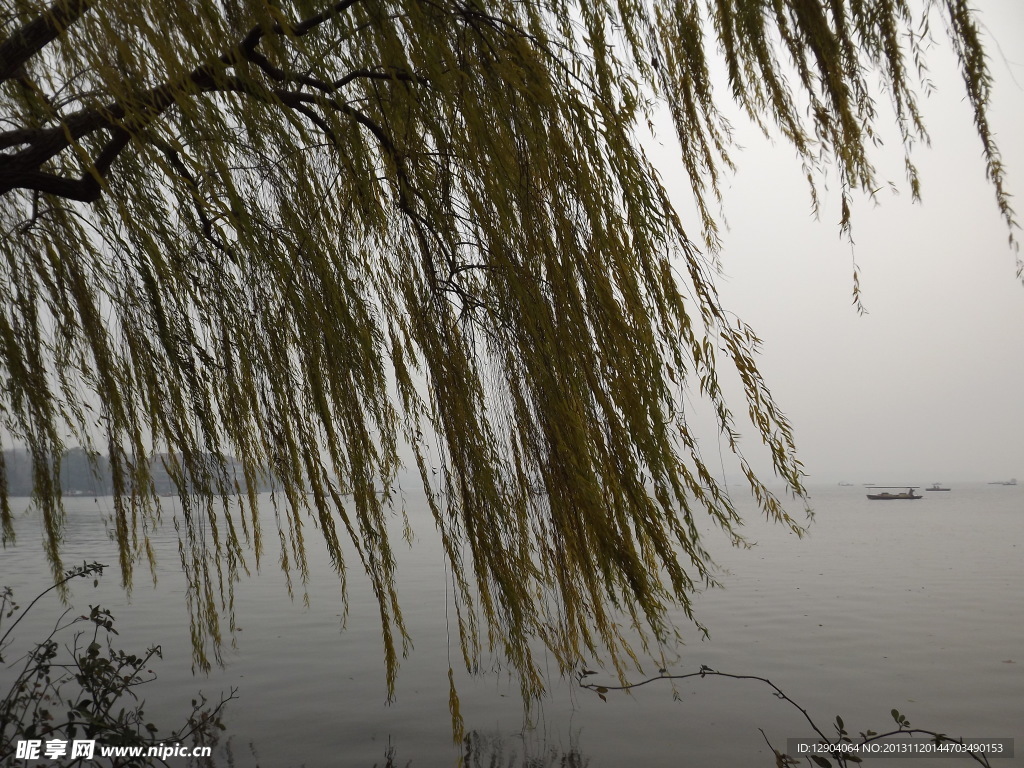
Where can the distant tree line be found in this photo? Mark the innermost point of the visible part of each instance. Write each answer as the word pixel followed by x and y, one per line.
pixel 85 473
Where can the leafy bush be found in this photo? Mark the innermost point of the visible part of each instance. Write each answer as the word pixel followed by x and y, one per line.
pixel 80 690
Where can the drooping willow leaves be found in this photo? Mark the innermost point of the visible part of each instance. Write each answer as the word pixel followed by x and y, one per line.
pixel 300 241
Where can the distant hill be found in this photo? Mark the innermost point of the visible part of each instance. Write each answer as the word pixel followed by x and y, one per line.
pixel 81 477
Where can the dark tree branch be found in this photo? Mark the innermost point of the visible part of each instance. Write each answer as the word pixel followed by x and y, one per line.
pixel 84 190
pixel 125 117
pixel 372 75
pixel 30 39
pixel 257 33
pixel 23 169
pixel 209 232
pixel 87 189
pixel 283 76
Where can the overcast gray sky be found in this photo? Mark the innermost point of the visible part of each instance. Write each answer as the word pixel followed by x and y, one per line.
pixel 928 385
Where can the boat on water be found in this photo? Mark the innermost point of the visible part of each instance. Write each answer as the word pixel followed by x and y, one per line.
pixel 936 487
pixel 906 495
pixel 1011 481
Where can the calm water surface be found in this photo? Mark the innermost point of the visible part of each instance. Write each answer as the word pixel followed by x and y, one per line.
pixel 913 606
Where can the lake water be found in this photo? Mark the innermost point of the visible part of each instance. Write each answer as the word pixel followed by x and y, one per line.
pixel 885 605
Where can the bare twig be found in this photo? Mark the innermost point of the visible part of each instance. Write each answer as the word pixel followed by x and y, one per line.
pixel 782 759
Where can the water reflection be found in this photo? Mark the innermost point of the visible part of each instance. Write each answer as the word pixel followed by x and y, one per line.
pixel 481 749
pixel 493 750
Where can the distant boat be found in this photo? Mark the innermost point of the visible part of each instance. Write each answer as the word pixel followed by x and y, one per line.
pixel 846 484
pixel 1012 481
pixel 886 496
pixel 936 487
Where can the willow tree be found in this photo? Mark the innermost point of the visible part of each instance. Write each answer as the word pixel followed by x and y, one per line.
pixel 304 240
